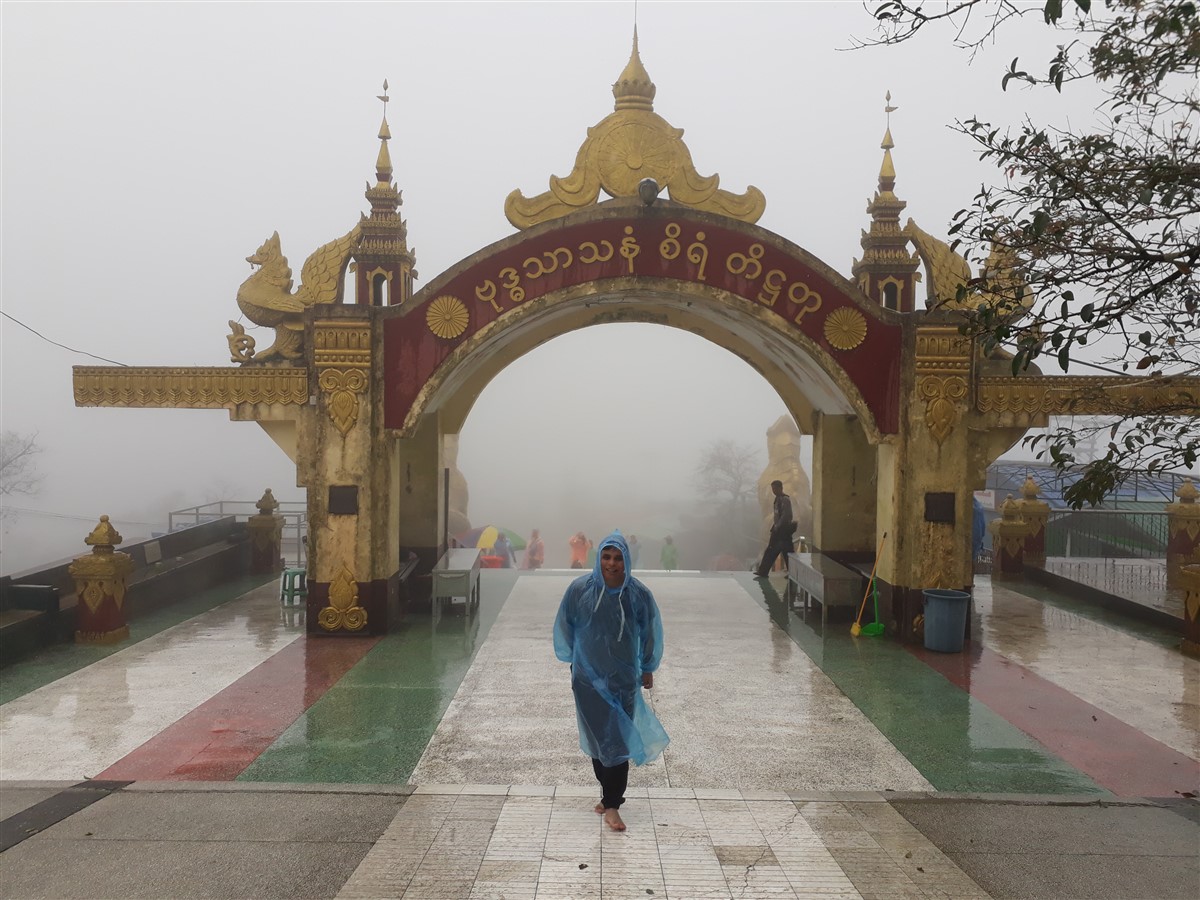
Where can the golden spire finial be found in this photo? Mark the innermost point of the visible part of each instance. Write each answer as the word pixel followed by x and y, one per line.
pixel 383 163
pixel 887 170
pixel 634 89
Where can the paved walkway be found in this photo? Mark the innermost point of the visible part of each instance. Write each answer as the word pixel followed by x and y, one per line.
pixel 525 842
pixel 443 759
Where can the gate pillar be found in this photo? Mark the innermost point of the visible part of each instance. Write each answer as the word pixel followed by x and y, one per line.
pixel 345 467
pixel 926 479
pixel 420 506
pixel 843 486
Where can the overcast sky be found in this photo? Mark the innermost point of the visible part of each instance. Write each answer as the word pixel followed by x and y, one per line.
pixel 148 148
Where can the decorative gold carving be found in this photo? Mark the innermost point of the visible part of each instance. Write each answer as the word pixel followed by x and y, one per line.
pixel 949 272
pixel 943 365
pixel 447 317
pixel 845 328
pixel 1010 530
pixel 343 611
pixel 346 344
pixel 1184 515
pixel 241 345
pixel 267 504
pixel 1189 583
pixel 941 403
pixel 102 637
pixel 101 574
pixel 266 529
pixel 103 537
pixel 266 297
pixel 1098 395
pixel 631 144
pixel 343 387
pixel 194 388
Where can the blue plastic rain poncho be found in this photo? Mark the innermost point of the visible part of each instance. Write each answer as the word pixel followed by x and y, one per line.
pixel 610 636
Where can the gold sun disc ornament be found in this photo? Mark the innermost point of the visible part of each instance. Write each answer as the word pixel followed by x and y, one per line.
pixel 845 328
pixel 447 317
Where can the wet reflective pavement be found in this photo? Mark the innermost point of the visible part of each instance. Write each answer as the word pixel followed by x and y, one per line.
pixel 1046 699
pixel 803 738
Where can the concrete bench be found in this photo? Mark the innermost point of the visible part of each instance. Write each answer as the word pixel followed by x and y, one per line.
pixel 816 577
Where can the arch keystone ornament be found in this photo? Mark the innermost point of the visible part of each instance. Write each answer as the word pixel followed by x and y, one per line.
pixel 631 144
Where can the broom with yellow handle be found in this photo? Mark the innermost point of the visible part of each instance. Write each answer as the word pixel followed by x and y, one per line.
pixel 856 629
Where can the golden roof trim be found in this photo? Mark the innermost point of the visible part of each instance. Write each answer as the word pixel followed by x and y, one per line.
pixel 200 387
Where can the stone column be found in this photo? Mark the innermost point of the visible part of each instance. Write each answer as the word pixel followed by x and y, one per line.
pixel 100 587
pixel 1189 581
pixel 925 476
pixel 1183 532
pixel 843 503
pixel 1035 512
pixel 1008 541
pixel 266 536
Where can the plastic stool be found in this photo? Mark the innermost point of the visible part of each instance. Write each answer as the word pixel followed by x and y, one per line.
pixel 293 586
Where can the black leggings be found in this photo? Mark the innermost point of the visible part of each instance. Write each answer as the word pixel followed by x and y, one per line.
pixel 613 780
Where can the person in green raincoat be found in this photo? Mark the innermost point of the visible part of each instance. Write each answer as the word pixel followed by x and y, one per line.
pixel 609 629
pixel 670 555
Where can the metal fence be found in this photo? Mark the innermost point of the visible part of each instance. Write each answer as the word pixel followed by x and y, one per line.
pixel 294 513
pixel 1106 533
pixel 1118 576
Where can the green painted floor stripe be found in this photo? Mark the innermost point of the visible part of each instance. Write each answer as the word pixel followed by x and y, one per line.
pixel 373 725
pixel 956 742
pixel 59 660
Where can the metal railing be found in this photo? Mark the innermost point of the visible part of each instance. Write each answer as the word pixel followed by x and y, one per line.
pixel 295 522
pixel 1107 533
pixel 1139 487
pixel 1120 576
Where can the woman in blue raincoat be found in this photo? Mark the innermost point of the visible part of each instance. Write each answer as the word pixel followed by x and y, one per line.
pixel 609 630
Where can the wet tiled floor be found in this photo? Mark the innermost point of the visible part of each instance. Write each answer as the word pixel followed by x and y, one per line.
pixel 520 842
pixel 785 740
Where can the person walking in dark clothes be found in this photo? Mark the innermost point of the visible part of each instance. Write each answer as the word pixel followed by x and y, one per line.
pixel 609 629
pixel 782 527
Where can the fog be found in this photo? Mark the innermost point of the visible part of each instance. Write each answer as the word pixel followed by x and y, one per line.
pixel 149 148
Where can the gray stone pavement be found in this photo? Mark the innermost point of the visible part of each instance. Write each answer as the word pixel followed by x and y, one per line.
pixel 235 840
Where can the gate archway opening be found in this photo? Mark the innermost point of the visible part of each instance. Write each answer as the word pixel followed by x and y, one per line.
pixel 604 427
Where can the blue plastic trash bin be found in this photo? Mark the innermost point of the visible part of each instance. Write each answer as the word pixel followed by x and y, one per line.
pixel 946 620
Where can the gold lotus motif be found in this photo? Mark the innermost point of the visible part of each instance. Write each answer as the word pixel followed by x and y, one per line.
pixel 447 317
pixel 845 328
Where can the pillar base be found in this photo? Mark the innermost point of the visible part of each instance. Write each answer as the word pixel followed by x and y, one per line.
pixel 102 637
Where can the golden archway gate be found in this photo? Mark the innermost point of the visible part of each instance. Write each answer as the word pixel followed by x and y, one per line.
pixel 368 397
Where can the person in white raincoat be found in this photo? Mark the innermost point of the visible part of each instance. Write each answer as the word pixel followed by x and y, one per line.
pixel 609 629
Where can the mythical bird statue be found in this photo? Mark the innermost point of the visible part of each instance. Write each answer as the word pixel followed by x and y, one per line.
pixel 267 299
pixel 948 272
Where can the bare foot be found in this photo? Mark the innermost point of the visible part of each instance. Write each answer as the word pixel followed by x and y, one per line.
pixel 612 818
pixel 599 809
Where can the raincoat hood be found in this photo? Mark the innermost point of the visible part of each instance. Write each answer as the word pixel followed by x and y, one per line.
pixel 616 539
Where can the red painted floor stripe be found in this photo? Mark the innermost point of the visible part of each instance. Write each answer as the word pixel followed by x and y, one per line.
pixel 219 738
pixel 1115 755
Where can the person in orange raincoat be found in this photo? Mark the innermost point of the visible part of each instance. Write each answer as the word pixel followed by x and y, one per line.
pixel 579 549
pixel 535 552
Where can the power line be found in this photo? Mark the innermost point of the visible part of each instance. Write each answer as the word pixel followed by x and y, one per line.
pixel 57 344
pixel 54 515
